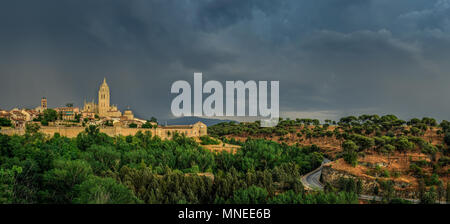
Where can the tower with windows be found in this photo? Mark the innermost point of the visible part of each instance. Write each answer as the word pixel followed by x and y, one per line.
pixel 44 103
pixel 103 99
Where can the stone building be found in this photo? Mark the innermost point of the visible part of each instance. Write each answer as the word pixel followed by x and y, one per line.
pixel 67 113
pixel 105 111
pixel 197 129
pixel 43 106
pixel 128 114
pixel 104 107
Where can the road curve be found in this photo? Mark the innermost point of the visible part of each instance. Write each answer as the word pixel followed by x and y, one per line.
pixel 311 181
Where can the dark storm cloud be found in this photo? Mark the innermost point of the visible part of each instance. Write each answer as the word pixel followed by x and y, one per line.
pixel 332 57
pixel 218 14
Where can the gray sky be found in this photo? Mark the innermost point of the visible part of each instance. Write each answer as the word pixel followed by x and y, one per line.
pixel 332 57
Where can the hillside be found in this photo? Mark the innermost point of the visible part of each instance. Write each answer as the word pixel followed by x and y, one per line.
pixel 411 156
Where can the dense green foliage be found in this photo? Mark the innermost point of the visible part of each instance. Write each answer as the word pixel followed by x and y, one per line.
pixel 50 115
pixel 350 155
pixel 5 122
pixel 363 135
pixel 206 140
pixel 95 168
pixel 148 124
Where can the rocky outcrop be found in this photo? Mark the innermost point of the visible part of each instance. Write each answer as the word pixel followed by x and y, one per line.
pixel 369 184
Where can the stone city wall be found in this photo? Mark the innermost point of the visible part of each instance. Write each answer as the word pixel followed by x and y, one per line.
pixel 72 132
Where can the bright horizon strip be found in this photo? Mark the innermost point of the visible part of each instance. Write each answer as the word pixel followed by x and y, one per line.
pixel 182 103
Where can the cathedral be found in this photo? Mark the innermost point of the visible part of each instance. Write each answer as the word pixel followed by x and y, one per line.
pixel 103 108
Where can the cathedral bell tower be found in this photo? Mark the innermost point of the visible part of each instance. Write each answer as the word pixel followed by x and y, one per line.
pixel 103 99
pixel 44 103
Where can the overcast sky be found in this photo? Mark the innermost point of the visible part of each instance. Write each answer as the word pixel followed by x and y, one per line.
pixel 332 57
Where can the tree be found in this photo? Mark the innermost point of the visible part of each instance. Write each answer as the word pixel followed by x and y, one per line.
pixel 77 117
pixel 50 115
pixel 59 182
pixel 147 124
pixel 97 190
pixel 403 144
pixel 440 191
pixel 447 138
pixel 363 141
pixel 109 123
pixel 429 197
pixel 415 131
pixel 7 184
pixel 132 125
pixel 90 136
pixel 5 122
pixel 103 158
pixel 448 192
pixel 251 195
pixel 206 140
pixel 350 154
pixel 31 128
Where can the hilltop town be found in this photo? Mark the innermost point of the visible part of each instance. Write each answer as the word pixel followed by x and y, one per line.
pixel 69 120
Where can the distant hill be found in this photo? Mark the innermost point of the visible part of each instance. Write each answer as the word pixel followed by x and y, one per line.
pixel 192 120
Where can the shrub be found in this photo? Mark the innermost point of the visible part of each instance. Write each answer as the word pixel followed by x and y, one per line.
pixel 447 138
pixel 206 140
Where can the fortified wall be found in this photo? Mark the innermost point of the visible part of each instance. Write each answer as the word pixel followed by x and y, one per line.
pixel 196 130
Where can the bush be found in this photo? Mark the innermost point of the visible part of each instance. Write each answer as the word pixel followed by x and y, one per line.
pixel 432 180
pixel 396 174
pixel 251 195
pixel 206 140
pixel 147 125
pixel 447 138
pixel 416 169
pixel 5 122
pixel 399 201
pixel 350 155
pixel 97 190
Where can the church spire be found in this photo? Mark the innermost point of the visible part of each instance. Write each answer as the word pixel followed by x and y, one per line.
pixel 104 84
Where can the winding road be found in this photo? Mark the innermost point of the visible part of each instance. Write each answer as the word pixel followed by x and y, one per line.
pixel 311 181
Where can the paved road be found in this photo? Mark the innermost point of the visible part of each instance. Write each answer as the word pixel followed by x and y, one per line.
pixel 311 181
pixel 314 179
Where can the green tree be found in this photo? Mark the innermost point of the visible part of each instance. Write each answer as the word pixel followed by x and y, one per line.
pixel 60 181
pixel 31 128
pixel 350 155
pixel 97 190
pixel 5 122
pixel 147 125
pixel 7 184
pixel 403 144
pixel 447 138
pixel 251 195
pixel 429 197
pixel 448 192
pixel 102 158
pixel 50 115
